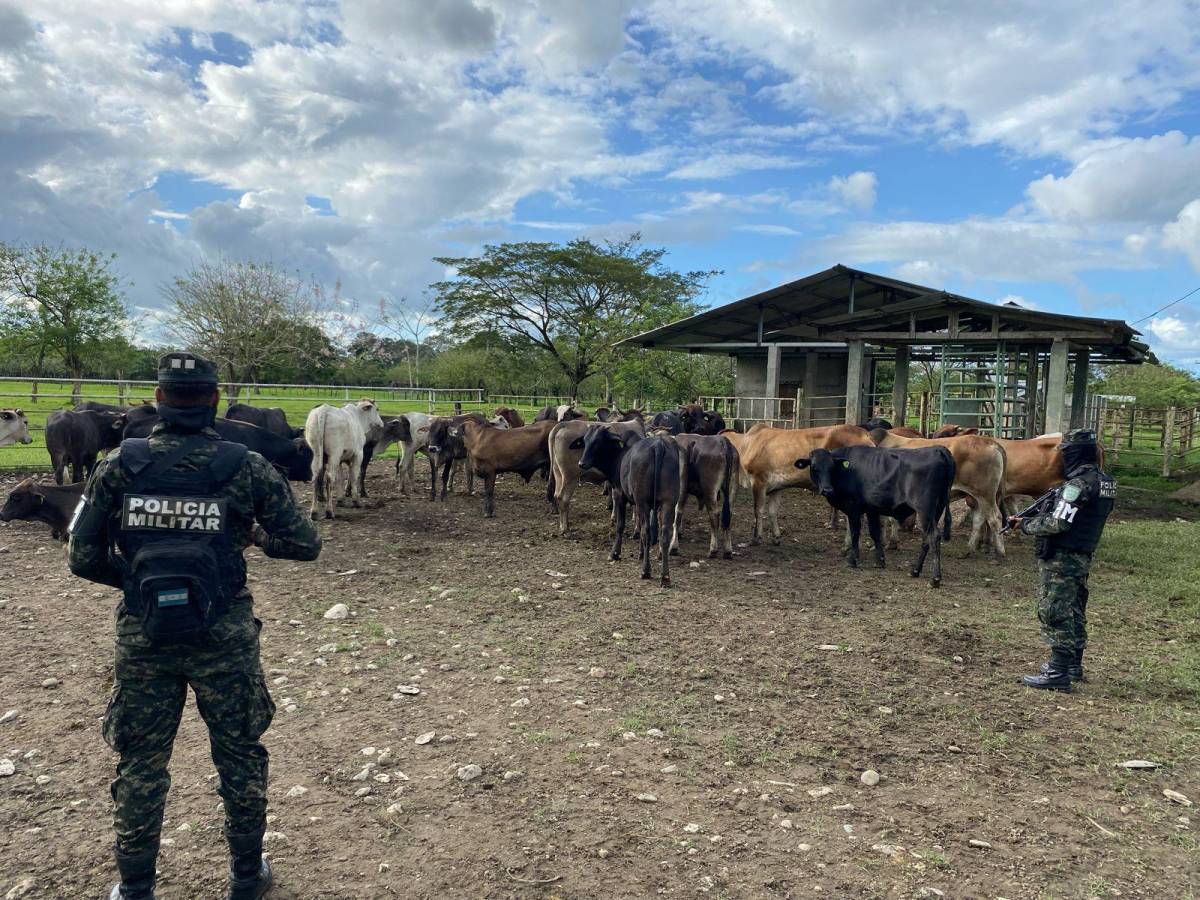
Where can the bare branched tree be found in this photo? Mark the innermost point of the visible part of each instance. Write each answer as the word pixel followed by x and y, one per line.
pixel 412 323
pixel 242 314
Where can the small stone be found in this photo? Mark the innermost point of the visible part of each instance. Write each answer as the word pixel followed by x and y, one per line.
pixel 337 611
pixel 1137 764
pixel 931 892
pixel 958 659
pixel 669 770
pixel 827 647
pixel 6 768
pixel 8 716
pixel 693 565
pixel 512 775
pixel 820 792
pixel 272 837
pixel 20 889
pixel 1176 797
pixel 785 823
pixel 469 772
pixel 409 689
pixel 804 848
pixel 720 698
pixel 394 810
pixel 383 778
pixel 843 807
pixel 386 867
pixel 367 751
pixel 42 779
pixel 520 702
pixel 297 791
pixel 654 733
pixel 51 683
pixel 186 826
pixel 363 791
pixel 953 749
pixel 870 778
pixel 849 829
pixel 425 738
pixel 982 845
pixel 364 774
pixel 281 680
pixel 597 672
pixel 691 828
pixel 886 710
pixel 647 798
pixel 603 853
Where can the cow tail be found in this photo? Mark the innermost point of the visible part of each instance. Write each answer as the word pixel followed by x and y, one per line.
pixel 946 500
pixel 652 525
pixel 731 463
pixel 317 443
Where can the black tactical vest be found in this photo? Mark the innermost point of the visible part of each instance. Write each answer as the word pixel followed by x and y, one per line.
pixel 1087 514
pixel 180 541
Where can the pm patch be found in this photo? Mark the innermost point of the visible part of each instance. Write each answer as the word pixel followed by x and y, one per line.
pixel 140 512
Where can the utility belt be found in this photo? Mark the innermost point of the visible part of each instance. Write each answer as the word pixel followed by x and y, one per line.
pixel 1046 549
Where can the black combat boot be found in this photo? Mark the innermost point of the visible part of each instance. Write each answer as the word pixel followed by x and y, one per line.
pixel 1075 669
pixel 1055 675
pixel 137 875
pixel 249 872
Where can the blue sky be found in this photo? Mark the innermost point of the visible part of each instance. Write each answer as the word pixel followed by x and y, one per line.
pixel 1044 153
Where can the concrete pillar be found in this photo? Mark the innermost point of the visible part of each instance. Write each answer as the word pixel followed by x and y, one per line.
pixel 811 361
pixel 1056 388
pixel 774 357
pixel 900 387
pixel 1079 380
pixel 1032 389
pixel 854 382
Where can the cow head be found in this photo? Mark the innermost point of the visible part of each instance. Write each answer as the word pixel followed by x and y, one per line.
pixel 498 422
pixel 600 447
pixel 876 422
pixel 23 501
pixel 603 414
pixel 397 429
pixel 299 466
pixel 14 427
pixel 439 433
pixel 824 469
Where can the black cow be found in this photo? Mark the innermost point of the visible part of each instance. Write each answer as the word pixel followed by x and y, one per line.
pixel 271 418
pixel 711 477
pixel 645 472
pixel 395 430
pixel 92 405
pixel 292 456
pixel 876 422
pixel 881 482
pixel 49 503
pixel 698 420
pixel 671 422
pixel 75 438
pixel 445 448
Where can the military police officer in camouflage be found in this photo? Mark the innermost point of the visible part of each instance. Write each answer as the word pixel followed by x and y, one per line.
pixel 166 518
pixel 1068 528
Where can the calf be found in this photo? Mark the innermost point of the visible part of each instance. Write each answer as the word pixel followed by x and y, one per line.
pixel 337 438
pixel 52 504
pixel 895 483
pixel 271 418
pixel 491 451
pixel 646 472
pixel 395 430
pixel 14 427
pixel 445 447
pixel 75 438
pixel 979 465
pixel 768 456
pixel 566 447
pixel 695 419
pixel 510 415
pixel 670 422
pixel 293 458
pixel 952 431
pixel 710 475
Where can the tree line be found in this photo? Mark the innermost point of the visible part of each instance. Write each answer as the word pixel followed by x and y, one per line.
pixel 519 318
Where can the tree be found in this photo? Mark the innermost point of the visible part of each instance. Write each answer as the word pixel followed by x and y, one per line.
pixel 1152 385
pixel 243 315
pixel 574 301
pixel 59 302
pixel 414 324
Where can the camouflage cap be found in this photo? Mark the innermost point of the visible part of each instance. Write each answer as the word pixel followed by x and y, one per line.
pixel 186 369
pixel 1077 437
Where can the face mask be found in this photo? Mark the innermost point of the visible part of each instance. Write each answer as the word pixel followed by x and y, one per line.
pixel 1077 455
pixel 188 418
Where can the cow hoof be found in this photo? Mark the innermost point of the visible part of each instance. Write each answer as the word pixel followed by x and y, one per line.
pixel 328 514
pixel 854 563
pixel 880 564
pixel 357 504
pixel 674 551
pixel 712 554
pixel 915 573
pixel 728 554
pixel 935 582
pixel 614 557
pixel 666 582
pixel 646 576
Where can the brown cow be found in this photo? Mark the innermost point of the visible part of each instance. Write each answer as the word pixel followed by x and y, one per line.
pixel 566 447
pixel 952 431
pixel 768 458
pixel 510 415
pixel 979 474
pixel 491 451
pixel 709 473
pixel 49 503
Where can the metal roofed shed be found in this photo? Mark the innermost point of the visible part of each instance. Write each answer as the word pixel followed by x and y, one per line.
pixel 809 352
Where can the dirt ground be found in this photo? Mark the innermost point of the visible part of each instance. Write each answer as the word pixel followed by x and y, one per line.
pixel 704 740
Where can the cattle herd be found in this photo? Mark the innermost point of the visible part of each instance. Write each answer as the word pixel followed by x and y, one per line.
pixel 651 462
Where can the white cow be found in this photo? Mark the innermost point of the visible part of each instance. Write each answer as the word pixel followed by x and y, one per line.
pixel 336 437
pixel 418 427
pixel 14 427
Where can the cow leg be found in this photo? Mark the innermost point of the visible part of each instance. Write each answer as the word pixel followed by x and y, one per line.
pixel 433 467
pixel 854 526
pixel 551 489
pixel 647 515
pixel 318 483
pixel 892 527
pixel 489 494
pixel 919 563
pixel 935 540
pixel 759 491
pixel 60 468
pixel 447 477
pixel 773 514
pixel 666 511
pixel 677 526
pixel 327 488
pixel 833 518
pixel 876 529
pixel 565 490
pixel 354 475
pixel 368 453
pixel 618 524
pixel 714 527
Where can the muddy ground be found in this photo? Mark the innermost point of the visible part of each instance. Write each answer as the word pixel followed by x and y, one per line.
pixel 706 740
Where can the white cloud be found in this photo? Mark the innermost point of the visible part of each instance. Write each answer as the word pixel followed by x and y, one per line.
pixel 723 165
pixel 1183 233
pixel 1136 180
pixel 856 191
pixel 1174 335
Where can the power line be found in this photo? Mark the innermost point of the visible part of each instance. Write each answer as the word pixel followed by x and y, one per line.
pixel 1168 306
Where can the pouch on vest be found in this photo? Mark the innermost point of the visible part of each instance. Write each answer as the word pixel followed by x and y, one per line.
pixel 178 589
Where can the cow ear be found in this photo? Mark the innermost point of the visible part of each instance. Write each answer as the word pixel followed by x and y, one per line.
pixel 708 417
pixel 803 463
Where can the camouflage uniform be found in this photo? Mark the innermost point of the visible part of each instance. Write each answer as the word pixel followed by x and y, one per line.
pixel 223 668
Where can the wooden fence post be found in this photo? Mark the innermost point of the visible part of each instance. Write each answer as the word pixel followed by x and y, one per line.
pixel 923 418
pixel 1168 441
pixel 796 408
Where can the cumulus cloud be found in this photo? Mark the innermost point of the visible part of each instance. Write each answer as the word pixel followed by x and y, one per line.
pixel 1175 335
pixel 1183 233
pixel 856 191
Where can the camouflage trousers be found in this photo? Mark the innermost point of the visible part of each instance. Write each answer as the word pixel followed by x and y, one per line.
pixel 1062 607
pixel 149 690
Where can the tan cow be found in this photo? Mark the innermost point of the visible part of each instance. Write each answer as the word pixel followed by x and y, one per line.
pixel 768 461
pixel 979 474
pixel 566 447
pixel 492 450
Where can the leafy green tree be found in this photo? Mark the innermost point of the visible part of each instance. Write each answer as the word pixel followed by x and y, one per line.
pixel 58 302
pixel 572 301
pixel 1152 385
